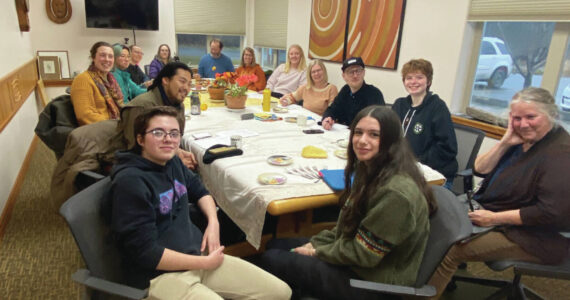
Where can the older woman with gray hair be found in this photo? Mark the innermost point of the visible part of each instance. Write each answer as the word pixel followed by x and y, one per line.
pixel 524 193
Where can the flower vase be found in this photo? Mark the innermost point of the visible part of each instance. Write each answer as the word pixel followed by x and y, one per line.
pixel 216 93
pixel 236 102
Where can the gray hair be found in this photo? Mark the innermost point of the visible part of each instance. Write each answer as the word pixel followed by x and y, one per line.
pixel 543 100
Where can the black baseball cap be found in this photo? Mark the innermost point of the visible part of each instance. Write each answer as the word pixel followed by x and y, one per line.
pixel 353 61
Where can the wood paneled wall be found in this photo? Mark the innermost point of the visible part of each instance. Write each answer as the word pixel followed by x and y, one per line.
pixel 15 88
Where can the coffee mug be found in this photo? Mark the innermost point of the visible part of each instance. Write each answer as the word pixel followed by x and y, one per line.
pixel 301 120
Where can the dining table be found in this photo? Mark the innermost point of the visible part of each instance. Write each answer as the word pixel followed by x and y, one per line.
pixel 271 175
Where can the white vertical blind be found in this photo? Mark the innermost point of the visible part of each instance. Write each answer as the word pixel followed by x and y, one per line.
pixel 210 16
pixel 519 10
pixel 270 23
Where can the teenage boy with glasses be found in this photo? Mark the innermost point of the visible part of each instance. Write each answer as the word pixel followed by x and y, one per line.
pixel 353 97
pixel 161 247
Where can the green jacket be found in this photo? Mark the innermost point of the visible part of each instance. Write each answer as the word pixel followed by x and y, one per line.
pixel 128 87
pixel 390 241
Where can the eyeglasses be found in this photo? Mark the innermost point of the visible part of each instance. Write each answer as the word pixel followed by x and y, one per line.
pixel 160 133
pixel 355 71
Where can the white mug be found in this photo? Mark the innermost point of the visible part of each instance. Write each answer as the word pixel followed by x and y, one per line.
pixel 302 120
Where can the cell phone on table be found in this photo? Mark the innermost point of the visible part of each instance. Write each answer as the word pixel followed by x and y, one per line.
pixel 313 131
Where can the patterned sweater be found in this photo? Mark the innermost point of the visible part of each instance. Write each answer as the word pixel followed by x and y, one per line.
pixel 391 238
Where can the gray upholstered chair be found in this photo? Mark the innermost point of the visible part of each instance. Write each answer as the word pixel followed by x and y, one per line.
pixel 469 142
pixel 103 275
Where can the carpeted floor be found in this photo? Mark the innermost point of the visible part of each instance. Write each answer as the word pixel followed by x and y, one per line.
pixel 38 254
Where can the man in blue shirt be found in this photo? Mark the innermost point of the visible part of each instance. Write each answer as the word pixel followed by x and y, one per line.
pixel 214 62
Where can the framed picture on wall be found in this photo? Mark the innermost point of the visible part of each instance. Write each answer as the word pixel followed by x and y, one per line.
pixel 63 61
pixel 370 29
pixel 49 67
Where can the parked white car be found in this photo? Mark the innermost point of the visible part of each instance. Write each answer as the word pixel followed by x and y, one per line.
pixel 495 63
pixel 565 102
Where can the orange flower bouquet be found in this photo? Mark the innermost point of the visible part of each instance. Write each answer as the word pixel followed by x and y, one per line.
pixel 224 79
pixel 240 86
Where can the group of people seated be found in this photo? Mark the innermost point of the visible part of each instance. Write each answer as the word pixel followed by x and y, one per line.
pixel 383 225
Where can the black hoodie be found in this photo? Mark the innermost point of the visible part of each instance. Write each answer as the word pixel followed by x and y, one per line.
pixel 430 132
pixel 150 213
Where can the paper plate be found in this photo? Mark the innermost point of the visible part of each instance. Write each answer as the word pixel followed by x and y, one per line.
pixel 342 143
pixel 272 178
pixel 291 119
pixel 341 153
pixel 217 101
pixel 280 160
pixel 281 110
pixel 235 109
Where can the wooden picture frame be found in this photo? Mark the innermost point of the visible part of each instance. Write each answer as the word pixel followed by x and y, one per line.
pixel 369 29
pixel 63 61
pixel 49 67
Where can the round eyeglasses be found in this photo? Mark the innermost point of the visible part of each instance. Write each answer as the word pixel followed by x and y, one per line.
pixel 160 133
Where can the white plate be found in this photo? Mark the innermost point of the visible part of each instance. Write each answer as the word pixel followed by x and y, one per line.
pixel 280 160
pixel 272 178
pixel 216 101
pixel 341 153
pixel 343 143
pixel 236 109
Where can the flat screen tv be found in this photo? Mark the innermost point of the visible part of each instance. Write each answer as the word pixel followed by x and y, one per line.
pixel 122 14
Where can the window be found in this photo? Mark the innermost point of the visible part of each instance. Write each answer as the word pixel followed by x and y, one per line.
pixel 270 58
pixel 562 96
pixel 191 47
pixel 512 56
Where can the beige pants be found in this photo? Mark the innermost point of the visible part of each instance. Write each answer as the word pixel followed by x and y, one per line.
pixel 489 247
pixel 233 279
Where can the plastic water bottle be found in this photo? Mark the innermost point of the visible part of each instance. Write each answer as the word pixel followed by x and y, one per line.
pixel 195 104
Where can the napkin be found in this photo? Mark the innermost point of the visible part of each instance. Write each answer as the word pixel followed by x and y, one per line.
pixel 313 152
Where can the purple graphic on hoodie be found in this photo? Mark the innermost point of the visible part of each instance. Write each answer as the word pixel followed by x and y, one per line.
pixel 166 197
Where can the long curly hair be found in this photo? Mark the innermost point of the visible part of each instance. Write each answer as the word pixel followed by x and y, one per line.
pixel 394 157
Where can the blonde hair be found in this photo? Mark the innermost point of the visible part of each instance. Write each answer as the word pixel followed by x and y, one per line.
pixel 543 100
pixel 302 63
pixel 315 62
pixel 250 50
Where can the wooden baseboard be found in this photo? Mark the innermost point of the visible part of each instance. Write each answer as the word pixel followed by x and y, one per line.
pixel 7 212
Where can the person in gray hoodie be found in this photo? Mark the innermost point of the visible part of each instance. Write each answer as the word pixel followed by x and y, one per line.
pixel 426 121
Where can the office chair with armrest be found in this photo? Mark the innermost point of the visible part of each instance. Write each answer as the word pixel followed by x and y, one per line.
pixel 515 289
pixel 82 212
pixel 448 225
pixel 469 142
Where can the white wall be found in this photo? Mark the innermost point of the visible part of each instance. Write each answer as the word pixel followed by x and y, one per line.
pixel 17 136
pixel 77 39
pixel 433 30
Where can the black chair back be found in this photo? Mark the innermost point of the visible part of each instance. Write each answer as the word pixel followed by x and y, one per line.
pixel 448 225
pixel 469 142
pixel 82 212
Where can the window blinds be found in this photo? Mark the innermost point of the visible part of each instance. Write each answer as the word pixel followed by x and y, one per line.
pixel 270 29
pixel 519 10
pixel 219 17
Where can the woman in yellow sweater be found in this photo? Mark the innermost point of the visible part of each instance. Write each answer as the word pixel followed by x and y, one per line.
pixel 248 66
pixel 95 94
pixel 317 94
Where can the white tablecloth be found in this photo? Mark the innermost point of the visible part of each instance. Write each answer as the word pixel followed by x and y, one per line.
pixel 232 181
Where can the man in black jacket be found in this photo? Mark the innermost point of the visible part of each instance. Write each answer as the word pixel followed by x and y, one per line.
pixel 353 97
